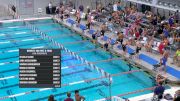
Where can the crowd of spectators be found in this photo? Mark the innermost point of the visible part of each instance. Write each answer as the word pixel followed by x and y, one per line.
pixel 147 30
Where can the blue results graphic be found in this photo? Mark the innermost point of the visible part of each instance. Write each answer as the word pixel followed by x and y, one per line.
pixel 39 68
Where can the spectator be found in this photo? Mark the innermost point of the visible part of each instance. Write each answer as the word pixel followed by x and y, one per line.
pixel 50 8
pixel 13 8
pixel 51 98
pixel 159 91
pixel 78 97
pixel 171 21
pixel 161 47
pixel 119 6
pixel 138 48
pixel 103 28
pixel 69 97
pixel 78 17
pixel 176 56
pixel 120 38
pixel 81 8
pixel 57 10
pixel 177 17
pixel 149 45
pixel 166 32
pixel 115 7
pixel 124 45
pixel 177 96
pixel 163 60
pixel 160 79
pixel 94 36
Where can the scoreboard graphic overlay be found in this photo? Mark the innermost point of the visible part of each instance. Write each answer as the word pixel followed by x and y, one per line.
pixel 39 68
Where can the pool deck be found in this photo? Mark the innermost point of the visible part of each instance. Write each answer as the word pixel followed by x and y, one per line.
pixel 139 63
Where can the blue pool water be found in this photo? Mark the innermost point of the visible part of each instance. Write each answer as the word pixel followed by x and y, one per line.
pixel 16 35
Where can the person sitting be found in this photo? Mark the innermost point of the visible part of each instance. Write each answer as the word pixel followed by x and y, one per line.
pixel 78 97
pixel 69 97
pixel 176 57
pixel 159 91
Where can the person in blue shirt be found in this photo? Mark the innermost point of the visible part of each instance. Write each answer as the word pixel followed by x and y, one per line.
pixel 166 33
pixel 163 60
pixel 171 21
pixel 119 6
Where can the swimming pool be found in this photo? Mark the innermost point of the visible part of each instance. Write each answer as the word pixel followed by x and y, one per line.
pixel 16 35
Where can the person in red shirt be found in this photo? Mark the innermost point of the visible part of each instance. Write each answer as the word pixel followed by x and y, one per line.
pixel 69 97
pixel 161 48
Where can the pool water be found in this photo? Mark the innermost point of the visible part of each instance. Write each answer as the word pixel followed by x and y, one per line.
pixel 16 35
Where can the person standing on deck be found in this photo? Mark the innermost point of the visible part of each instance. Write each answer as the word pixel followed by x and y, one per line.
pixel 159 91
pixel 138 48
pixel 163 61
pixel 50 7
pixel 78 97
pixel 69 97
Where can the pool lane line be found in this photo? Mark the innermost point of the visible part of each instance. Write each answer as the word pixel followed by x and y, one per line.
pixel 18 56
pixel 13 38
pixel 29 32
pixel 12 27
pixel 30 39
pixel 19 46
pixel 23 26
pixel 83 51
pixel 53 29
pixel 75 42
pixel 15 41
pixel 70 84
pixel 12 31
